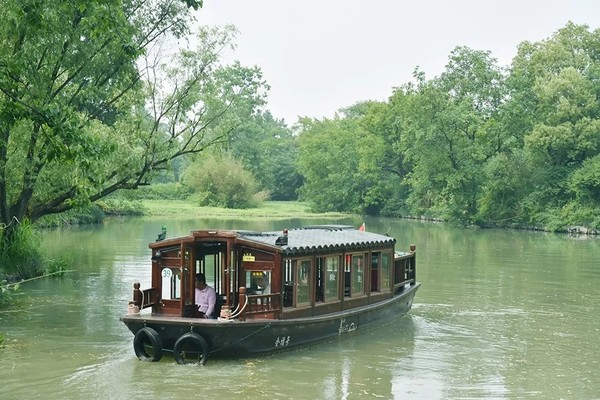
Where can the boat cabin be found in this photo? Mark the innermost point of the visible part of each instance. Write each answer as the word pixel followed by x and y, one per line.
pixel 294 273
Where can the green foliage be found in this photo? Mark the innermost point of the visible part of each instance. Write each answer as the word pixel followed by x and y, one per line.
pixel 165 191
pixel 395 205
pixel 221 181
pixel 56 266
pixel 507 181
pixel 353 164
pixel 117 206
pixel 570 215
pixel 556 82
pixel 85 113
pixel 328 160
pixel 450 134
pixel 478 144
pixel 6 292
pixel 157 191
pixel 266 209
pixel 585 182
pixel 269 150
pixel 21 259
pixel 90 214
pixel 20 254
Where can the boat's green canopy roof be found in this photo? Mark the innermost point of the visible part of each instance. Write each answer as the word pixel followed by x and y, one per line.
pixel 320 238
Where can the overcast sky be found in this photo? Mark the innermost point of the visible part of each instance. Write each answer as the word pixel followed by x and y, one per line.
pixel 322 55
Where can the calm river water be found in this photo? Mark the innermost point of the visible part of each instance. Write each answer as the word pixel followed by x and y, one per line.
pixel 500 315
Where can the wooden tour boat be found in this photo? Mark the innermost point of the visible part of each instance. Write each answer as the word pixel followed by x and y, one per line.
pixel 325 281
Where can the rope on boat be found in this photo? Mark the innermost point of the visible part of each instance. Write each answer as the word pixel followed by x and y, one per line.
pixel 233 314
pixel 132 306
pixel 236 309
pixel 142 305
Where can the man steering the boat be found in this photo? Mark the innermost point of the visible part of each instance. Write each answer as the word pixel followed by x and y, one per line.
pixel 205 297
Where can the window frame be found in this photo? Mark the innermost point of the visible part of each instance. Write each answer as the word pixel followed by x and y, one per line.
pixel 386 276
pixel 297 264
pixel 323 271
pixel 357 274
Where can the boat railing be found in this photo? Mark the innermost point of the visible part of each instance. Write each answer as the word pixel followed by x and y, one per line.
pixel 150 297
pixel 399 287
pixel 144 298
pixel 260 304
pixel 405 269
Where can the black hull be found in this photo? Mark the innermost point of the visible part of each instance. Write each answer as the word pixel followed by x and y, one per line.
pixel 254 337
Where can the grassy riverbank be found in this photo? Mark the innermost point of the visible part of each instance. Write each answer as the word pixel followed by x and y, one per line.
pixel 268 209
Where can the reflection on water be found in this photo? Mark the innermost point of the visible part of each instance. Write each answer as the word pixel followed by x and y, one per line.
pixel 500 314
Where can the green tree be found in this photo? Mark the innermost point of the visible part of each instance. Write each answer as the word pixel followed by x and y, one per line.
pixel 221 181
pixel 340 161
pixel 327 160
pixel 554 108
pixel 389 122
pixel 89 106
pixel 450 132
pixel 269 150
pixel 379 172
pixel 585 182
pixel 507 181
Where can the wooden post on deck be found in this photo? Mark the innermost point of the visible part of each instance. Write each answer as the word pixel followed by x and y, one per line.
pixel 413 264
pixel 137 295
pixel 242 302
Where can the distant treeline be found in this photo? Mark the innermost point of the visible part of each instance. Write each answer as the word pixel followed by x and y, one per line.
pixel 479 144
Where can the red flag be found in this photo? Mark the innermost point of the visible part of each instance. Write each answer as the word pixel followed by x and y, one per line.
pixel 362 227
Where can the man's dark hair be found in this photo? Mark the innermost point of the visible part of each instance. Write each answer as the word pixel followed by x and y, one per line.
pixel 200 277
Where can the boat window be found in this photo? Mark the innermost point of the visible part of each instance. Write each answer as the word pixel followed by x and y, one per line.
pixel 258 282
pixel 358 269
pixel 297 278
pixel 171 283
pixel 386 267
pixel 331 278
pixel 320 279
pixel 347 275
pixel 303 270
pixel 402 270
pixel 375 271
pixel 327 288
pixel 209 263
pixel 288 283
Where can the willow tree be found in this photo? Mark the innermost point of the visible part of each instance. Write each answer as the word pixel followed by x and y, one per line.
pixel 90 101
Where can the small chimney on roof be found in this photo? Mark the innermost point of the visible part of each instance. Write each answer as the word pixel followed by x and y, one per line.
pixel 282 240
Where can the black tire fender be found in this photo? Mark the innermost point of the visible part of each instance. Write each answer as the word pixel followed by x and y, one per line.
pixel 142 337
pixel 194 341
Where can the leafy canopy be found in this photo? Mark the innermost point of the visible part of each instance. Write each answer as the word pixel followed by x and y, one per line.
pixel 91 102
